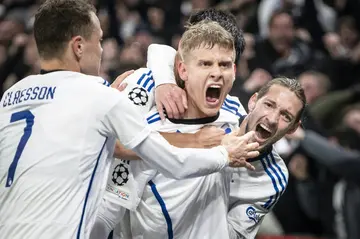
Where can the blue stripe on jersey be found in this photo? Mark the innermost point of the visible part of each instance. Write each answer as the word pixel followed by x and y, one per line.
pixel 89 189
pixel 146 81
pixel 232 102
pixel 271 163
pixel 106 83
pixel 151 85
pixel 268 203
pixel 163 209
pixel 154 120
pixel 277 166
pixel 230 107
pixel 224 108
pixel 152 116
pixel 276 173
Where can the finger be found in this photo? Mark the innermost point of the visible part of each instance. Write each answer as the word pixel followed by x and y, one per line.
pixel 184 100
pixel 249 166
pixel 252 146
pixel 180 107
pixel 168 110
pixel 122 87
pixel 252 154
pixel 121 78
pixel 249 135
pixel 160 109
pixel 174 109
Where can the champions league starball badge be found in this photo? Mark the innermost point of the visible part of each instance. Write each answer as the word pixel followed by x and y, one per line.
pixel 138 96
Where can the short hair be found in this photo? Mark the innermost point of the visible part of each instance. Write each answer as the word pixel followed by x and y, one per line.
pixel 227 21
pixel 57 21
pixel 292 84
pixel 205 33
pixel 278 13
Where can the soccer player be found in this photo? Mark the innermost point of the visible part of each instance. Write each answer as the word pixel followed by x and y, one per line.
pixel 206 70
pixel 58 128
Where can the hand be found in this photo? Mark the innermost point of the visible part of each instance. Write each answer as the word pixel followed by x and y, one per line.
pixel 172 98
pixel 21 40
pixel 299 134
pixel 298 167
pixel 209 136
pixel 240 149
pixel 117 84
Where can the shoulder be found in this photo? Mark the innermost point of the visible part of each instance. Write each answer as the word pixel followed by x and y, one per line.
pixel 143 78
pixel 234 106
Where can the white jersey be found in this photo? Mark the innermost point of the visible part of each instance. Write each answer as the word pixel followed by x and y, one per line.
pixel 57 131
pixel 254 193
pixel 191 208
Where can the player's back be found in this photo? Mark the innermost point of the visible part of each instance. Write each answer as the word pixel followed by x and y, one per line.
pixel 52 155
pixel 190 208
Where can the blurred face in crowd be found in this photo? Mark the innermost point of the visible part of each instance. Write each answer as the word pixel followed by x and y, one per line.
pixel 274 115
pixel 208 74
pixel 281 32
pixel 312 87
pixel 91 50
pixel 352 119
pixel 349 36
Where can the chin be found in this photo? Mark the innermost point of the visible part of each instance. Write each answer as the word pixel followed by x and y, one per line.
pixel 209 112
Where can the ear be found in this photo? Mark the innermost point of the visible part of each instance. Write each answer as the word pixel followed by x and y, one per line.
pixel 183 73
pixel 294 127
pixel 234 72
pixel 252 102
pixel 77 45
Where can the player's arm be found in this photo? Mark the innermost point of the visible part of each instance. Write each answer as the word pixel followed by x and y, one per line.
pixel 168 95
pixel 125 120
pixel 207 137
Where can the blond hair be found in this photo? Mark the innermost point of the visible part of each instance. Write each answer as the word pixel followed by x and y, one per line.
pixel 203 34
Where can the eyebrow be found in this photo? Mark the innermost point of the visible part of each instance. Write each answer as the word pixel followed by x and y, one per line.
pixel 284 111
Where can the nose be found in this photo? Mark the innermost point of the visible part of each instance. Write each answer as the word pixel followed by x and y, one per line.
pixel 273 118
pixel 216 73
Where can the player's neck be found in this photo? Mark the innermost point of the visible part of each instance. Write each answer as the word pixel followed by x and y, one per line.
pixel 193 112
pixel 57 64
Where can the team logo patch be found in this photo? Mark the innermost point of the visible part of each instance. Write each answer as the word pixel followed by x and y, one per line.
pixel 120 175
pixel 138 96
pixel 252 214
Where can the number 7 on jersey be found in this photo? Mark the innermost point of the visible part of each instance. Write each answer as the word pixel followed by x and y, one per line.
pixel 29 117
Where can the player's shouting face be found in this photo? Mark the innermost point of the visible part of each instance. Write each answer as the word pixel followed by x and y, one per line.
pixel 208 73
pixel 274 114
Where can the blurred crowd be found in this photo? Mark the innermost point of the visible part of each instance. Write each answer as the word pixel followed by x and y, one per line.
pixel 316 41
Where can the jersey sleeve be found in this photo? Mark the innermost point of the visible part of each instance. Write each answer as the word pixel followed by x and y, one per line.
pixel 126 182
pixel 161 60
pixel 254 193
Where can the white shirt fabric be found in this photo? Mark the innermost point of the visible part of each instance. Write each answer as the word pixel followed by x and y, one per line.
pixel 190 208
pixel 57 132
pixel 254 193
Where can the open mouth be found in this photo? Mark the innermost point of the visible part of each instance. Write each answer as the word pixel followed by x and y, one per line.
pixel 262 131
pixel 213 93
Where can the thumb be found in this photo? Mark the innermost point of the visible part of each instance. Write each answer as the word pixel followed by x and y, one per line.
pixel 160 109
pixel 117 82
pixel 235 132
pixel 249 135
